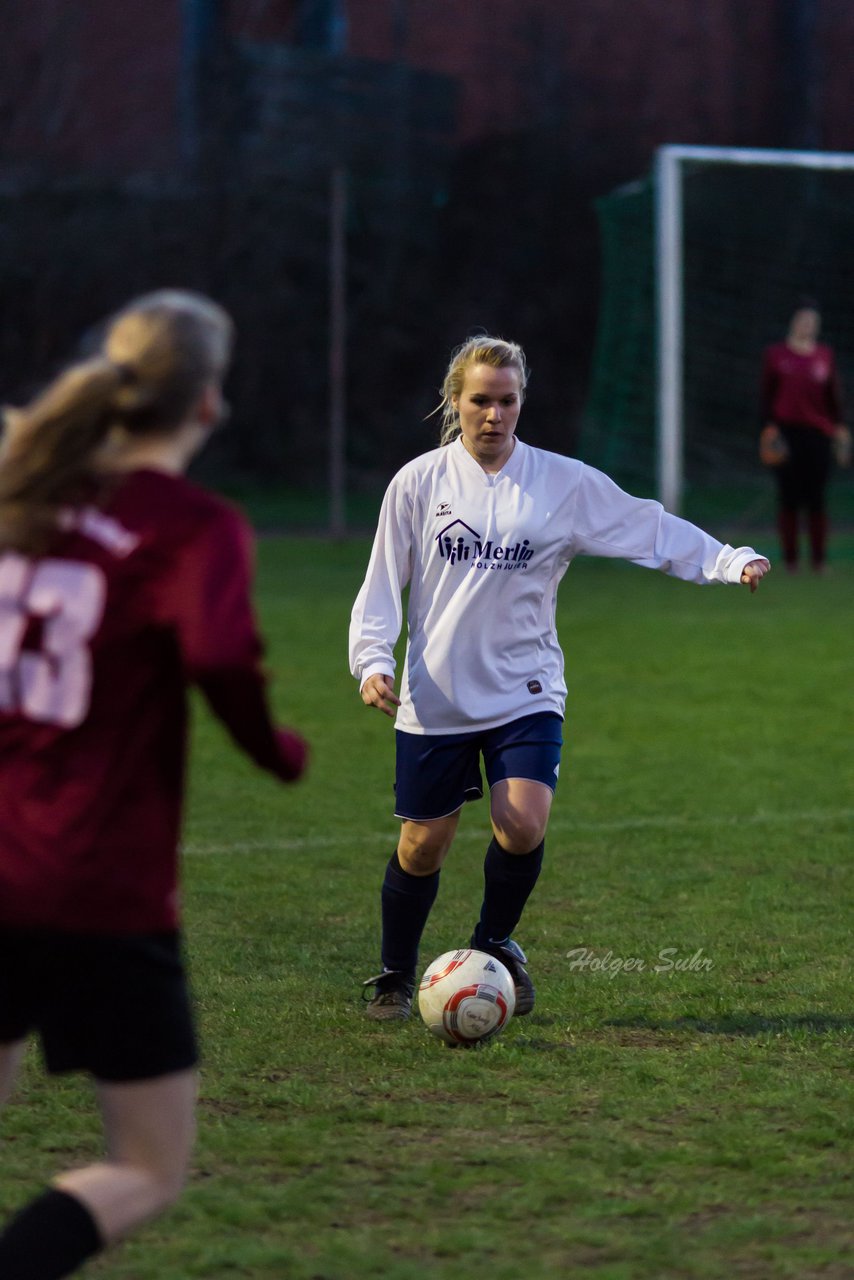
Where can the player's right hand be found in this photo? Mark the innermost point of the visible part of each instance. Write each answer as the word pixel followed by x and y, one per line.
pixel 378 691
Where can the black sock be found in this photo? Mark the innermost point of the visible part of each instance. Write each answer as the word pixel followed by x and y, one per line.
pixel 48 1239
pixel 406 904
pixel 509 880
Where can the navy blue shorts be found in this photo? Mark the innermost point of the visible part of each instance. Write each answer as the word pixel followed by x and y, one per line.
pixel 116 1006
pixel 437 773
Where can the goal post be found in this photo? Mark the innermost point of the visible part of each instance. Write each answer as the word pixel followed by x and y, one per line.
pixel 702 263
pixel 669 176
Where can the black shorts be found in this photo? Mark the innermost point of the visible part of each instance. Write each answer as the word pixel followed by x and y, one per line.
pixel 116 1006
pixel 436 773
pixel 802 478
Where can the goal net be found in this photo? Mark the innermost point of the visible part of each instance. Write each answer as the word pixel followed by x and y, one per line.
pixel 703 263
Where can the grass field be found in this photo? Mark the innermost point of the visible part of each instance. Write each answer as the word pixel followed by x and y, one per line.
pixel 651 1118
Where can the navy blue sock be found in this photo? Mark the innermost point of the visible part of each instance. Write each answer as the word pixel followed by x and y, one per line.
pixel 48 1239
pixel 509 880
pixel 406 904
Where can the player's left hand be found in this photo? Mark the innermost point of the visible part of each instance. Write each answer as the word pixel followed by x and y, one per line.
pixel 753 572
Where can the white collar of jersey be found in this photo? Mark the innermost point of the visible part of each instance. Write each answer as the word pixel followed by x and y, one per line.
pixel 491 476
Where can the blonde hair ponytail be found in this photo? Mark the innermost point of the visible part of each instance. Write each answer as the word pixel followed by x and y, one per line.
pixel 47 448
pixel 157 355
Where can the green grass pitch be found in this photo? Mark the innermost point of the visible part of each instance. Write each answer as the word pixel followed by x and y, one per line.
pixel 678 1115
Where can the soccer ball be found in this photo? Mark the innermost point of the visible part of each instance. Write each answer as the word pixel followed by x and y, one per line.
pixel 466 997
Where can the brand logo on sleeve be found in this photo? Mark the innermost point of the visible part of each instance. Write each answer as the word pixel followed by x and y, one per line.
pixel 458 543
pixel 101 528
pixel 443 509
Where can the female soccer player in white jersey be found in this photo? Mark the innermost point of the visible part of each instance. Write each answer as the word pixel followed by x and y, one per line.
pixel 483 529
pixel 120 584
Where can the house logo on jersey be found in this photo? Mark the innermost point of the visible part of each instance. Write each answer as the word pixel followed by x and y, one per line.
pixel 460 544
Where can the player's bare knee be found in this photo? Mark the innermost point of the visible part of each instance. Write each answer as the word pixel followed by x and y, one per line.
pixel 518 833
pixel 519 842
pixel 422 849
pixel 420 859
pixel 166 1187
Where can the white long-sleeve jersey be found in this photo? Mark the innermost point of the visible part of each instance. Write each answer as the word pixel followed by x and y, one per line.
pixel 483 555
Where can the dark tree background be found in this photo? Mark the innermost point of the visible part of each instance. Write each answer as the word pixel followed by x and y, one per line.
pixel 196 147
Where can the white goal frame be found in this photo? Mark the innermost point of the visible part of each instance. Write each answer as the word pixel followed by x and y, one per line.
pixel 669 173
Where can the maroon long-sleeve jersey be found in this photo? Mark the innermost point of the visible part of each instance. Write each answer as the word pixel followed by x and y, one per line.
pixel 802 390
pixel 99 641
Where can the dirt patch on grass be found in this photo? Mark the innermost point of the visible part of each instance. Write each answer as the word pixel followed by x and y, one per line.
pixel 638 1037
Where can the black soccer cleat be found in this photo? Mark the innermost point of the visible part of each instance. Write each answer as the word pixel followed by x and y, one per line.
pixel 392 998
pixel 514 959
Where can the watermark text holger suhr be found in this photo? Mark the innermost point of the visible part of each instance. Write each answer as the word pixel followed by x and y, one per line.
pixel 668 960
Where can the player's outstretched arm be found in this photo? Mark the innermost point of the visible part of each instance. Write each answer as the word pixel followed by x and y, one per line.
pixel 753 572
pixel 378 691
pixel 238 698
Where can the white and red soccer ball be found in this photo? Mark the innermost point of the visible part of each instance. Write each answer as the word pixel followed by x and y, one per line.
pixel 466 996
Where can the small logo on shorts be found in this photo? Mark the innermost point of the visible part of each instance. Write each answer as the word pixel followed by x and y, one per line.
pixel 443 509
pixel 534 686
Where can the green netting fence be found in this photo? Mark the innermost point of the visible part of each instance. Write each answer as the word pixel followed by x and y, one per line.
pixel 756 240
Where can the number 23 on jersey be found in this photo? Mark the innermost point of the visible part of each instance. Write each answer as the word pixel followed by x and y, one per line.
pixel 51 681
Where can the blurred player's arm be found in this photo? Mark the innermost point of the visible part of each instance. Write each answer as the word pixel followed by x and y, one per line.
pixel 222 648
pixel 842 443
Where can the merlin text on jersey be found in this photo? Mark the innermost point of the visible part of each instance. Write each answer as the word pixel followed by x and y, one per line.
pixel 459 543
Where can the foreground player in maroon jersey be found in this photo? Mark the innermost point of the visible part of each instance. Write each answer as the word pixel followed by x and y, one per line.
pixel 120 584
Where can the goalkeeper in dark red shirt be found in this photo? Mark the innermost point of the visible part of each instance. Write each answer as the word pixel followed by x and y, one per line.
pixel 120 584
pixel 802 429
